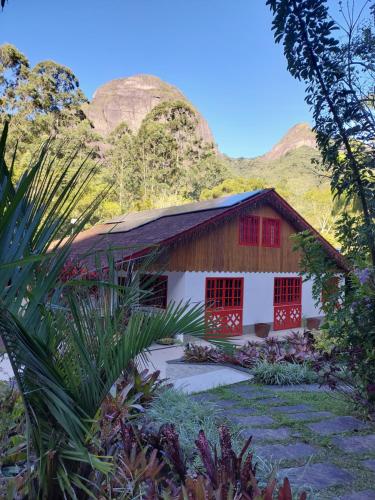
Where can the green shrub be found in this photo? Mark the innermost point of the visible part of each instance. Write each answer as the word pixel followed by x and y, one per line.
pixel 283 373
pixel 324 341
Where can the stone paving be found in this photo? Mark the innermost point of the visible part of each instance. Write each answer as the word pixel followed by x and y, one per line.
pixel 328 455
pixel 337 425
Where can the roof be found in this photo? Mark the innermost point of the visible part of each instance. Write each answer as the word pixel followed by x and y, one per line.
pixel 134 234
pixel 136 219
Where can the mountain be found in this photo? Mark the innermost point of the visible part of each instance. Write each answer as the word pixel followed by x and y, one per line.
pixel 294 171
pixel 298 136
pixel 130 100
pixel 289 164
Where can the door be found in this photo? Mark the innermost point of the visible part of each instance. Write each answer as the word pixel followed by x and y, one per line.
pixel 287 300
pixel 224 306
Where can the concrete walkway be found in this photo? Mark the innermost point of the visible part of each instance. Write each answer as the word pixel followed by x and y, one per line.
pixel 190 377
pixel 330 456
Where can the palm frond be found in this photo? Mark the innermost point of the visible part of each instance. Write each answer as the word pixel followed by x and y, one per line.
pixel 68 342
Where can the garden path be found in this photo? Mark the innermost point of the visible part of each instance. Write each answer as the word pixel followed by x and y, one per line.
pixel 190 377
pixel 306 434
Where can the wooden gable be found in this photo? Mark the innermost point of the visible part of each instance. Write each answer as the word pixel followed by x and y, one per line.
pixel 217 248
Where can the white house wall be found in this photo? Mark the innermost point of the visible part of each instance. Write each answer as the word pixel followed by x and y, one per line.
pixel 177 287
pixel 258 293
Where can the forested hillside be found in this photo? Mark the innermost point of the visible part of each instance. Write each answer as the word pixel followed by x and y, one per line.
pixel 142 136
pixel 295 170
pixel 295 175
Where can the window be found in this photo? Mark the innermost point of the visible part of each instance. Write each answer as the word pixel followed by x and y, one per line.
pixel 249 230
pixel 224 292
pixel 155 291
pixel 270 232
pixel 287 291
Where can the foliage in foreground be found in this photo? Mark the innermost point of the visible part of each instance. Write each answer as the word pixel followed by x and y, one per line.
pixel 154 466
pixel 335 60
pixel 135 389
pixel 349 326
pixel 172 405
pixel 66 341
pixel 150 461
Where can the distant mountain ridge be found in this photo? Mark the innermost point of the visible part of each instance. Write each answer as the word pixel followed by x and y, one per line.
pixel 130 99
pixel 288 164
pixel 298 136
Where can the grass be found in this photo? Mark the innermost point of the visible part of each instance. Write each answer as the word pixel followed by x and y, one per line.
pixel 188 416
pixel 320 401
pixel 283 373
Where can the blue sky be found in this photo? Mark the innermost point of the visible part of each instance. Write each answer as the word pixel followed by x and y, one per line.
pixel 220 53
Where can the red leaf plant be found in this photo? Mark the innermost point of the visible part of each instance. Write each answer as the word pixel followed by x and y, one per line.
pixel 153 467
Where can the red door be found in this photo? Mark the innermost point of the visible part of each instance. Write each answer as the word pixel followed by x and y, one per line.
pixel 224 306
pixel 287 303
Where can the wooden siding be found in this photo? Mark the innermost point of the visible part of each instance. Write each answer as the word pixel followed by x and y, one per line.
pixel 218 249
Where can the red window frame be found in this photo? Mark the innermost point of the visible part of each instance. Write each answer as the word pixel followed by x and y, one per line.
pixel 287 291
pixel 158 286
pixel 224 293
pixel 249 230
pixel 271 229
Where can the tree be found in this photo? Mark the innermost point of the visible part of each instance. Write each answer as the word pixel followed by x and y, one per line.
pixel 40 102
pixel 337 64
pixel 119 160
pixel 339 78
pixel 192 163
pixel 45 101
pixel 233 186
pixel 14 70
pixel 46 89
pixel 164 162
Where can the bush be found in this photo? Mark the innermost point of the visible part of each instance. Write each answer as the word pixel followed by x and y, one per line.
pixel 296 348
pixel 325 342
pixel 283 373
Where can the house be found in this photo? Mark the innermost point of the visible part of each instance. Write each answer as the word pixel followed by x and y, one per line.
pixel 233 254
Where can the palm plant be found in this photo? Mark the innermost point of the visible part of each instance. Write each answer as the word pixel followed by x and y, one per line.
pixel 67 341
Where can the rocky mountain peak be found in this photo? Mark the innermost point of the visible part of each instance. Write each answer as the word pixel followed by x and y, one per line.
pixel 130 99
pixel 296 137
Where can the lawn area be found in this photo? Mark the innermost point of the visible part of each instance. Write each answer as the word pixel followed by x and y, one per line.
pixel 312 436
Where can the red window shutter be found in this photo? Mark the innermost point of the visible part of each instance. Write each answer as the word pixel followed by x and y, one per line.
pixel 249 230
pixel 271 232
